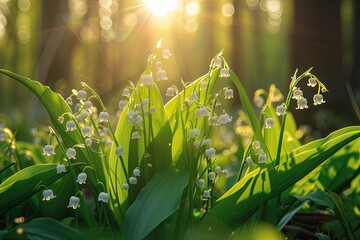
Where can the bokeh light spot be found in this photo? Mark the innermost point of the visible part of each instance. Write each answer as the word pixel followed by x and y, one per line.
pixel 253 4
pixel 106 23
pixel 24 5
pixel 228 10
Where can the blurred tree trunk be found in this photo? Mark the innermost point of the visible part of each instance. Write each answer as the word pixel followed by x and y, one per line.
pixel 355 75
pixel 317 42
pixel 56 43
pixel 236 39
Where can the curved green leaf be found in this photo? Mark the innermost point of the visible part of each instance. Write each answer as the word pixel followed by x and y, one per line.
pixel 180 118
pixel 155 202
pixel 56 106
pixel 245 197
pixel 160 137
pixel 48 228
pixel 23 184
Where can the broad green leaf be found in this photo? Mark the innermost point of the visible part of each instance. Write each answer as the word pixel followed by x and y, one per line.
pixel 245 101
pixel 155 202
pixel 181 118
pixel 245 197
pixel 48 228
pixel 334 174
pixel 56 106
pixel 140 152
pixel 51 208
pixel 23 184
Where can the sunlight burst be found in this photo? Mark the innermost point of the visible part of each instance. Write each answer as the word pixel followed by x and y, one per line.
pixel 161 8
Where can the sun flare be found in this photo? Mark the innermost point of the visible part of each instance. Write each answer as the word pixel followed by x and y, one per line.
pixel 161 8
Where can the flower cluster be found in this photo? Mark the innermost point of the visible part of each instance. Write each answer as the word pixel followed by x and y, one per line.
pixel 317 98
pixel 259 152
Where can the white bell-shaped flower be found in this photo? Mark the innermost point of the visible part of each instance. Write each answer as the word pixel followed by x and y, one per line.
pixel 88 105
pixel 218 62
pixel 48 195
pixel 74 202
pixel 135 135
pixel 69 100
pixel 201 112
pixel 60 168
pixel 249 160
pixel 166 53
pixel 224 72
pixel 212 176
pixel 86 131
pixel 193 97
pixel 81 178
pixel 217 169
pixel 152 110
pixel 302 103
pixel 119 151
pixel 212 120
pixel 224 118
pixel 136 172
pixel 297 94
pixel 70 126
pixel 280 110
pixel 229 93
pixel 203 85
pixel 161 75
pixel 133 180
pixel 255 145
pixel 108 143
pixel 170 92
pixel 104 117
pixel 206 194
pixel 103 197
pixel 81 117
pixel 88 142
pixel 125 186
pixel 82 95
pixel 126 92
pixel 147 80
pixel 200 182
pixel 210 153
pixel 196 144
pixel 269 123
pixel 122 104
pixel 71 153
pixel 48 150
pixel 318 99
pixel 145 102
pixel 262 158
pixel 194 133
pixel 206 142
pixel 312 82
